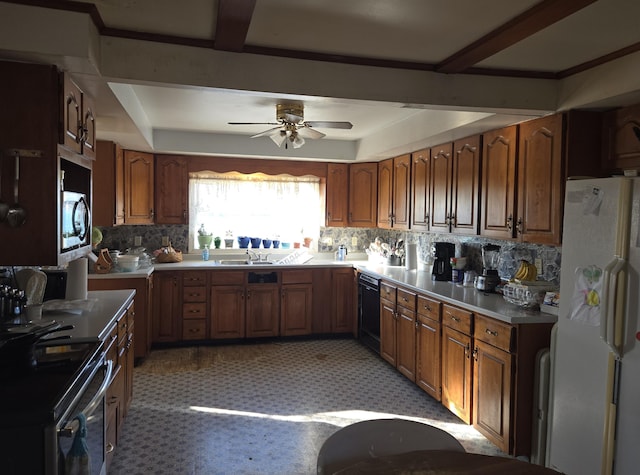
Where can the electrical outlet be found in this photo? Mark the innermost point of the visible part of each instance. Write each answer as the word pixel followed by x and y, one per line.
pixel 354 241
pixel 538 264
pixel 137 241
pixel 165 240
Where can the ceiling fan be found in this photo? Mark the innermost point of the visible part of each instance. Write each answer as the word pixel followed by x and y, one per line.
pixel 292 128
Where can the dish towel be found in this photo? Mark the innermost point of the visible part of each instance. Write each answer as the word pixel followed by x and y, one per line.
pixel 77 460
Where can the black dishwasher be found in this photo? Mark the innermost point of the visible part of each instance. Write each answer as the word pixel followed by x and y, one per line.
pixel 369 311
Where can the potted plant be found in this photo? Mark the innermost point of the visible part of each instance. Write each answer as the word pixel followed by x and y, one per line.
pixel 204 238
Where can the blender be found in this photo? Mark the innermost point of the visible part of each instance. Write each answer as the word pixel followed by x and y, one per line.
pixel 489 278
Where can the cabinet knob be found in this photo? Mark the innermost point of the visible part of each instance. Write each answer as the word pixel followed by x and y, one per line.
pixel 519 226
pixel 510 222
pixel 491 332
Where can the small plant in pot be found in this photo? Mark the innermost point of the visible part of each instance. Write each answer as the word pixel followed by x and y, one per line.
pixel 204 238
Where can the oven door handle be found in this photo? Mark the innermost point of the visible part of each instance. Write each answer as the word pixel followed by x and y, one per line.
pixel 72 427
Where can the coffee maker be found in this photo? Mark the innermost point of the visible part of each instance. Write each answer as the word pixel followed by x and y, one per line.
pixel 442 253
pixel 489 278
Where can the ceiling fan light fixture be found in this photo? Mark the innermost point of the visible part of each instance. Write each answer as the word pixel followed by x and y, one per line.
pixel 278 137
pixel 296 140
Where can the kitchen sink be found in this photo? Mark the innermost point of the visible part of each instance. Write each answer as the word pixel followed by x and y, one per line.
pixel 244 262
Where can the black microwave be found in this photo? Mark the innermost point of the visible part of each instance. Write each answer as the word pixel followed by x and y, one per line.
pixel 75 221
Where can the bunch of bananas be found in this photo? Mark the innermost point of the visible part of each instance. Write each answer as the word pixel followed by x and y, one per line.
pixel 526 271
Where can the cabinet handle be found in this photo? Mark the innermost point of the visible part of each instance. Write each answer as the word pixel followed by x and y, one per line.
pixel 510 222
pixel 427 308
pixel 519 226
pixel 151 213
pixel 194 311
pixel 350 216
pixel 248 294
pixel 109 448
pixel 467 351
pixel 405 299
pixel 475 354
pixel 491 332
pixel 453 317
pixel 417 324
pixel 184 213
pixel 427 218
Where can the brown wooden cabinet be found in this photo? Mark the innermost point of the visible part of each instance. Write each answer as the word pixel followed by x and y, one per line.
pixel 108 187
pixel 171 190
pixel 143 304
pixel 499 155
pixel 420 189
pixel 296 310
pixel 138 187
pixel 343 302
pixel 363 194
pixel 337 190
pixel 388 326
pixel 79 120
pixel 263 310
pixel 228 304
pixel 465 185
pixel 394 192
pixel 440 199
pixel 167 306
pixel 194 305
pixel 621 139
pixel 457 367
pixel 428 344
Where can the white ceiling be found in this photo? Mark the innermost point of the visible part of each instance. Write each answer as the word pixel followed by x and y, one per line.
pixel 168 76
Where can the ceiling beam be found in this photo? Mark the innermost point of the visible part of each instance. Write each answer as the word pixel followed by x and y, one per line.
pixel 232 25
pixel 526 24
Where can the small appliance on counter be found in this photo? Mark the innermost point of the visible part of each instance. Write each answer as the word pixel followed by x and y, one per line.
pixel 489 279
pixel 442 254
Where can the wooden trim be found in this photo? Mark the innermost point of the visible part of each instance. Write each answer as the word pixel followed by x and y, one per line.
pixel 234 17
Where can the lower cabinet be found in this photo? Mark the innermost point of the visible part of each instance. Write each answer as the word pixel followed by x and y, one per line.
pixel 167 307
pixel 428 344
pixel 227 305
pixel 263 310
pixel 194 305
pixel 296 310
pixel 343 302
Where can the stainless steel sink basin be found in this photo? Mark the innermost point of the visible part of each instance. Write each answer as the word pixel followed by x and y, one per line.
pixel 239 262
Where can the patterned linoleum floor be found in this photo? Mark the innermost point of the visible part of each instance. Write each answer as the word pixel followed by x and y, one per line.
pixel 267 409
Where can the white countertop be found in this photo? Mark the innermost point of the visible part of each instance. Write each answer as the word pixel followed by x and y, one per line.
pixel 489 304
pixel 91 318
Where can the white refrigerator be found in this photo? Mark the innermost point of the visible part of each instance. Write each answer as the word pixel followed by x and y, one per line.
pixel 594 394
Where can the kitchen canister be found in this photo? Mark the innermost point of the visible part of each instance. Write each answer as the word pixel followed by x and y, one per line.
pixel 411 257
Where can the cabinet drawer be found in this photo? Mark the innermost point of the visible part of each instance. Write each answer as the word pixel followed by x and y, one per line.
pixel 388 292
pixel 456 318
pixel 194 294
pixel 429 308
pixel 496 333
pixel 194 329
pixel 221 277
pixel 190 278
pixel 407 299
pixel 194 310
pixel 297 277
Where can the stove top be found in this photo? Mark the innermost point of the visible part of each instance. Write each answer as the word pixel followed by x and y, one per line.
pixel 41 394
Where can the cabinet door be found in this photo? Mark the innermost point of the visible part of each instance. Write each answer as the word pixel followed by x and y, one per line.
pixel 263 310
pixel 385 194
pixel 441 170
pixel 498 182
pixel 540 197
pixel 167 307
pixel 88 127
pixel 171 190
pixel 428 357
pixel 138 186
pixel 119 185
pixel 621 141
pixel 388 331
pixel 493 370
pixel 363 194
pixel 343 315
pixel 72 116
pixel 227 311
pixel 465 186
pixel 420 189
pixel 296 310
pixel 456 373
pixel 108 191
pixel 406 343
pixel 337 194
pixel 401 192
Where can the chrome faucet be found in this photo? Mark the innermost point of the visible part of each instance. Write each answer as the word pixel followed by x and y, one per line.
pixel 257 256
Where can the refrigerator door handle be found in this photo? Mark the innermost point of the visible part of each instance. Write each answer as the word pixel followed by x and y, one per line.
pixel 612 303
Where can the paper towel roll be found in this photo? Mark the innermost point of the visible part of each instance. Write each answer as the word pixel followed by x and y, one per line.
pixel 411 257
pixel 77 279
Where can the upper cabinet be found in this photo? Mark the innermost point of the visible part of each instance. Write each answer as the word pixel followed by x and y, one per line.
pixel 441 172
pixel 394 192
pixel 337 194
pixel 420 189
pixel 138 187
pixel 108 189
pixel 32 116
pixel 171 190
pixel 541 154
pixel 621 139
pixel 363 194
pixel 465 185
pixel 79 122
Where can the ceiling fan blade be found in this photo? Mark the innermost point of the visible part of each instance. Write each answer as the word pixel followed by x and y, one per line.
pixel 266 132
pixel 253 123
pixel 309 133
pixel 329 124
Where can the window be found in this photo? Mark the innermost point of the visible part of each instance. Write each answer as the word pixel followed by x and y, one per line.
pixel 273 207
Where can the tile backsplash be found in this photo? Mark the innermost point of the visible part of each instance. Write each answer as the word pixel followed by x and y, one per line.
pixel 358 239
